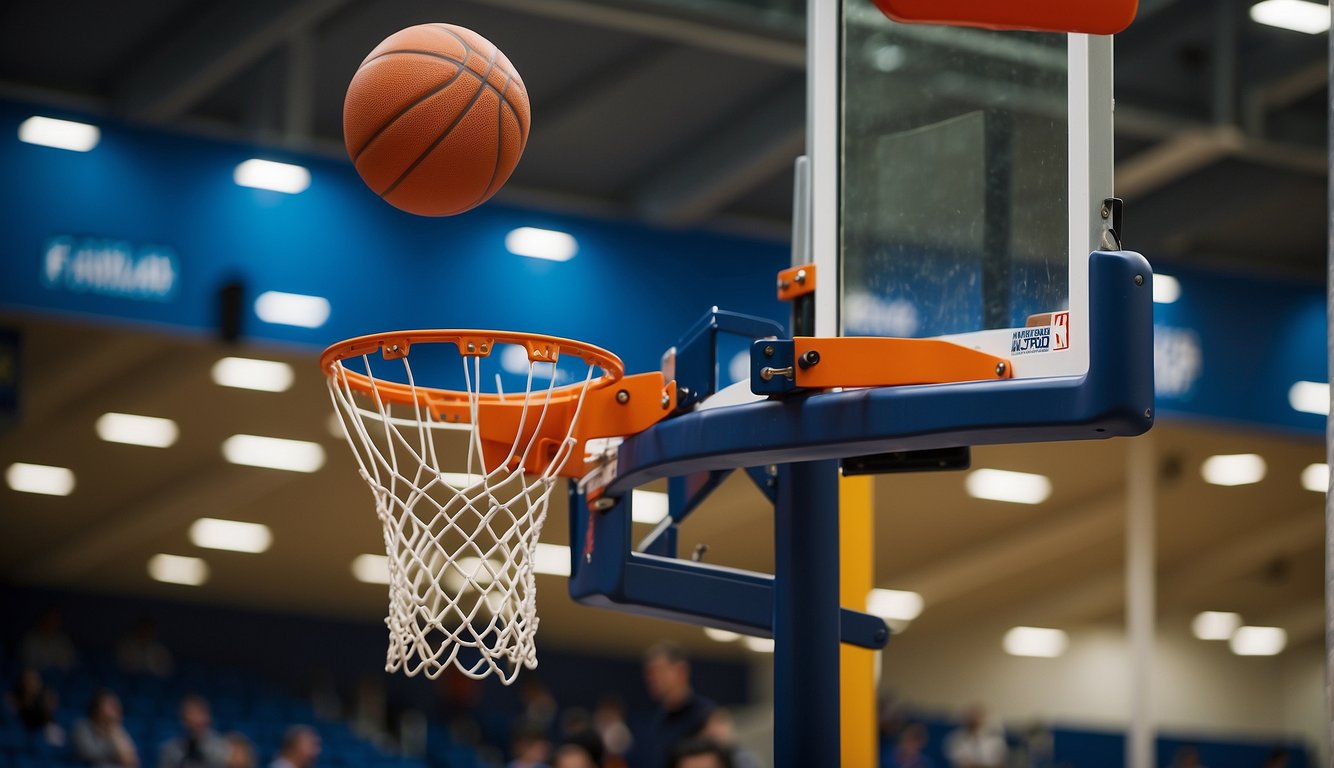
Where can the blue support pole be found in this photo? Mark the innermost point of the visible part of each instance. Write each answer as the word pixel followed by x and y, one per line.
pixel 806 616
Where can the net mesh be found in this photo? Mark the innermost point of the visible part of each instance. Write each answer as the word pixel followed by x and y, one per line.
pixel 461 546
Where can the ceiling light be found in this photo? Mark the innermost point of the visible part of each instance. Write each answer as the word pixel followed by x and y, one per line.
pixel 247 373
pixel 541 244
pixel 1234 469
pixel 174 569
pixel 721 635
pixel 1215 625
pixel 1258 641
pixel 148 431
pixel 278 177
pixel 1040 642
pixel 372 569
pixel 894 604
pixel 648 506
pixel 1310 397
pixel 61 134
pixel 1296 15
pixel 231 535
pixel 552 559
pixel 1166 289
pixel 292 309
pixel 1003 485
pixel 1316 478
pixel 40 478
pixel 759 644
pixel 273 453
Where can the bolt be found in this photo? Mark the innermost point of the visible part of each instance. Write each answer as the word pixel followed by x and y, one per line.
pixel 1139 279
pixel 601 505
pixel 809 359
pixel 1000 369
pixel 881 636
pixel 483 349
pixel 783 285
pixel 1148 413
pixel 801 277
pixel 588 557
pixel 768 374
pixel 666 400
pixel 698 554
pixel 623 397
pixel 768 350
pixel 1106 211
pixel 472 347
pixel 394 348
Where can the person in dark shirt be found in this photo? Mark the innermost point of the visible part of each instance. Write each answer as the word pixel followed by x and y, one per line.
pixel 681 714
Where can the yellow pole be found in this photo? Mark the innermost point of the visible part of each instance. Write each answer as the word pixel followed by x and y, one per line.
pixel 856 530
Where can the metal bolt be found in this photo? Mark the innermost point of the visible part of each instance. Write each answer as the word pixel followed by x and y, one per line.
pixel 623 396
pixel 768 350
pixel 1148 413
pixel 472 347
pixel 601 505
pixel 810 358
pixel 801 277
pixel 666 400
pixel 767 373
pixel 394 348
pixel 1106 211
pixel 1000 369
pixel 483 349
pixel 1139 279
pixel 881 636
pixel 783 285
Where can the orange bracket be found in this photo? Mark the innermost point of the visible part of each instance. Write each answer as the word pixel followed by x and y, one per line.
pixel 868 361
pixel 796 281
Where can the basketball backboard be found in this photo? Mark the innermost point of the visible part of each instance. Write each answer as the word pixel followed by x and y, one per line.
pixel 958 179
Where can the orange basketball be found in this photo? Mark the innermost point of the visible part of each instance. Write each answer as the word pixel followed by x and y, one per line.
pixel 435 119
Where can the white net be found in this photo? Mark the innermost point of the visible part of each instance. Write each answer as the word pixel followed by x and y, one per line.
pixel 460 545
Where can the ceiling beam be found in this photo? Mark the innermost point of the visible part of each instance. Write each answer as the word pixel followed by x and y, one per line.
pixel 751 149
pixel 222 43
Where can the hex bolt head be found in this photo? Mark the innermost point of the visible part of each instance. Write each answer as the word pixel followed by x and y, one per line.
pixel 1139 279
pixel 623 397
pixel 1000 369
pixel 472 347
pixel 768 350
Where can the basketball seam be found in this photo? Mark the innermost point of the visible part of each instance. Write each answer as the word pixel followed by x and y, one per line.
pixel 417 102
pixel 510 74
pixel 500 151
pixel 462 65
pixel 457 119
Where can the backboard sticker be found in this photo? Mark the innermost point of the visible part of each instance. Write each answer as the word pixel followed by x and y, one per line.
pixel 1044 333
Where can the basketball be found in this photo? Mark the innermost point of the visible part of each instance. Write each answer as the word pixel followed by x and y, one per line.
pixel 435 119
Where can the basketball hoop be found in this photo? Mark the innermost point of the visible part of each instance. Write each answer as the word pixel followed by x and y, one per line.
pixel 462 586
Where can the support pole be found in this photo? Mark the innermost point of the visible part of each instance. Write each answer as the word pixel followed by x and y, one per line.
pixel 1141 482
pixel 806 616
pixel 856 534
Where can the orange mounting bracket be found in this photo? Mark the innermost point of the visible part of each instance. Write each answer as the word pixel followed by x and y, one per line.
pixel 806 362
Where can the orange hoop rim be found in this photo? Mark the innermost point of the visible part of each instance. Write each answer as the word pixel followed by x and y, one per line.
pixel 542 348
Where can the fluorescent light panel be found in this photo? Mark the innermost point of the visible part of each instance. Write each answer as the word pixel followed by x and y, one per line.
pixel 131 429
pixel 174 569
pixel 541 244
pixel 292 309
pixel 1166 289
pixel 248 373
pixel 371 569
pixel 1310 397
pixel 231 535
pixel 721 635
pixel 1296 15
pixel 277 177
pixel 1215 625
pixel 894 604
pixel 552 559
pixel 61 134
pixel 1004 485
pixel 1234 469
pixel 1258 641
pixel 1315 478
pixel 40 478
pixel 273 453
pixel 648 506
pixel 1040 642
pixel 758 644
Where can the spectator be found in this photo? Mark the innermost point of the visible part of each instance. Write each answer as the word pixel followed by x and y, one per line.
pixel 721 730
pixel 46 646
pixel 141 653
pixel 200 746
pixel 35 706
pixel 907 752
pixel 609 720
pixel 700 753
pixel 571 755
pixel 240 752
pixel 530 746
pixel 301 748
pixel 100 739
pixel 976 744
pixel 681 713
